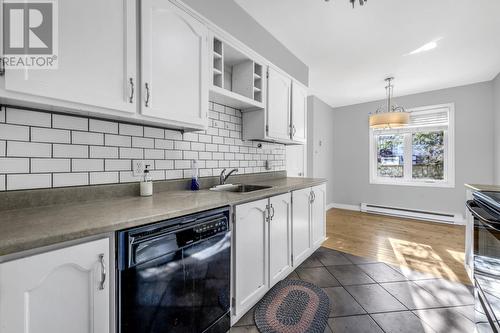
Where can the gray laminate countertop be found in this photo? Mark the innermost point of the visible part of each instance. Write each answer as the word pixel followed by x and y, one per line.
pixel 483 188
pixel 26 229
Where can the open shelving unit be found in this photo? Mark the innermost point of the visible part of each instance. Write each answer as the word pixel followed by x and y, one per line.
pixel 237 80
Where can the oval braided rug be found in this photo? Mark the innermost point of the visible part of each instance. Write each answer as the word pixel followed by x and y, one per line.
pixel 293 306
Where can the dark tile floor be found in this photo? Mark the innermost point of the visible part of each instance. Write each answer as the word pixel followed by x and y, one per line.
pixel 369 296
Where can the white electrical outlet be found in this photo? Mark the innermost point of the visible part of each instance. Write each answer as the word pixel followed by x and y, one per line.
pixel 138 168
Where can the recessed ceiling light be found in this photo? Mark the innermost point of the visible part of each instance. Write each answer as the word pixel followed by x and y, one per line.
pixel 427 47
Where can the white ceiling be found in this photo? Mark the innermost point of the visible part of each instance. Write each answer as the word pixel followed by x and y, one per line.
pixel 350 51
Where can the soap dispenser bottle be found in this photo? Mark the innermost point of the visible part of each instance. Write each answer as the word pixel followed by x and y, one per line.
pixel 195 184
pixel 146 183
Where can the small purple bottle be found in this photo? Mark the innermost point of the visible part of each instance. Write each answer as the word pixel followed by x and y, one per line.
pixel 195 184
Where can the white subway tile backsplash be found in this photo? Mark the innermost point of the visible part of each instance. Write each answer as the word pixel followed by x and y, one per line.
pixel 173 154
pixel 182 145
pixel 80 151
pixel 28 149
pixel 103 152
pixel 131 153
pixel 164 164
pixel 219 107
pixel 117 165
pixel 46 165
pixel 164 144
pixel 104 178
pixel 14 132
pixel 14 165
pixel 205 155
pixel 197 146
pixel 154 154
pixel 143 142
pixel 70 179
pixel 182 164
pixel 190 155
pixel 78 165
pixel 25 117
pixel 174 174
pixel 128 177
pixel 205 138
pixel 153 132
pixel 28 181
pixel 103 126
pixel 126 129
pixel 173 135
pixel 189 136
pixel 70 122
pixel 39 134
pixel 69 151
pixel 87 138
pixel 117 140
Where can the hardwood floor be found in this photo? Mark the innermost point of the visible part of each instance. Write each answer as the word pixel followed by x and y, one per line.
pixel 429 248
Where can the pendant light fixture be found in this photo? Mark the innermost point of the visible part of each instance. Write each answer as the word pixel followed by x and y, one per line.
pixel 389 116
pixel 353 2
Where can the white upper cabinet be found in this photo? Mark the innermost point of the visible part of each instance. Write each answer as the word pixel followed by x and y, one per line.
pixel 280 242
pixel 61 291
pixel 96 60
pixel 174 65
pixel 299 112
pixel 278 105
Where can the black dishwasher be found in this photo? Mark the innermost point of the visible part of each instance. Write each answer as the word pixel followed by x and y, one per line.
pixel 174 276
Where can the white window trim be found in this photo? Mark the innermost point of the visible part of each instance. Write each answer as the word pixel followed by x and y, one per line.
pixel 449 151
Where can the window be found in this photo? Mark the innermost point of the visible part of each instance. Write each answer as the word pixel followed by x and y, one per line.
pixel 420 154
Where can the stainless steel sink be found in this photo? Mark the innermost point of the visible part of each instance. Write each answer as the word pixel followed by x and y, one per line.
pixel 240 188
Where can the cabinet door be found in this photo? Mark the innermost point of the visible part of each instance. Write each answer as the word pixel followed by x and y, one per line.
pixel 299 112
pixel 301 229
pixel 318 215
pixel 251 254
pixel 96 57
pixel 278 105
pixel 58 292
pixel 174 64
pixel 280 251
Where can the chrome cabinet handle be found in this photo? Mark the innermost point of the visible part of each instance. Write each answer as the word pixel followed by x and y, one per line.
pixel 103 271
pixel 148 95
pixel 272 215
pixel 267 213
pixel 294 130
pixel 132 91
pixel 311 197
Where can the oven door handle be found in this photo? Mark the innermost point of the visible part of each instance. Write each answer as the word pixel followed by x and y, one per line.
pixel 489 223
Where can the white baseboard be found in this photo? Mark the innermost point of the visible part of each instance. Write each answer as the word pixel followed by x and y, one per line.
pixel 343 206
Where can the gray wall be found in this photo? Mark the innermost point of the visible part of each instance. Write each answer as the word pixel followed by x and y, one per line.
pixel 231 17
pixel 473 151
pixel 320 145
pixel 496 105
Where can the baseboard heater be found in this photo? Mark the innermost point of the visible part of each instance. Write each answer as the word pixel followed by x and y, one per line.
pixel 412 213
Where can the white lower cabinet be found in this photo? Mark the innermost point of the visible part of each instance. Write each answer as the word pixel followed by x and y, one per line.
pixel 262 249
pixel 301 228
pixel 280 245
pixel 61 291
pixel 308 221
pixel 318 215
